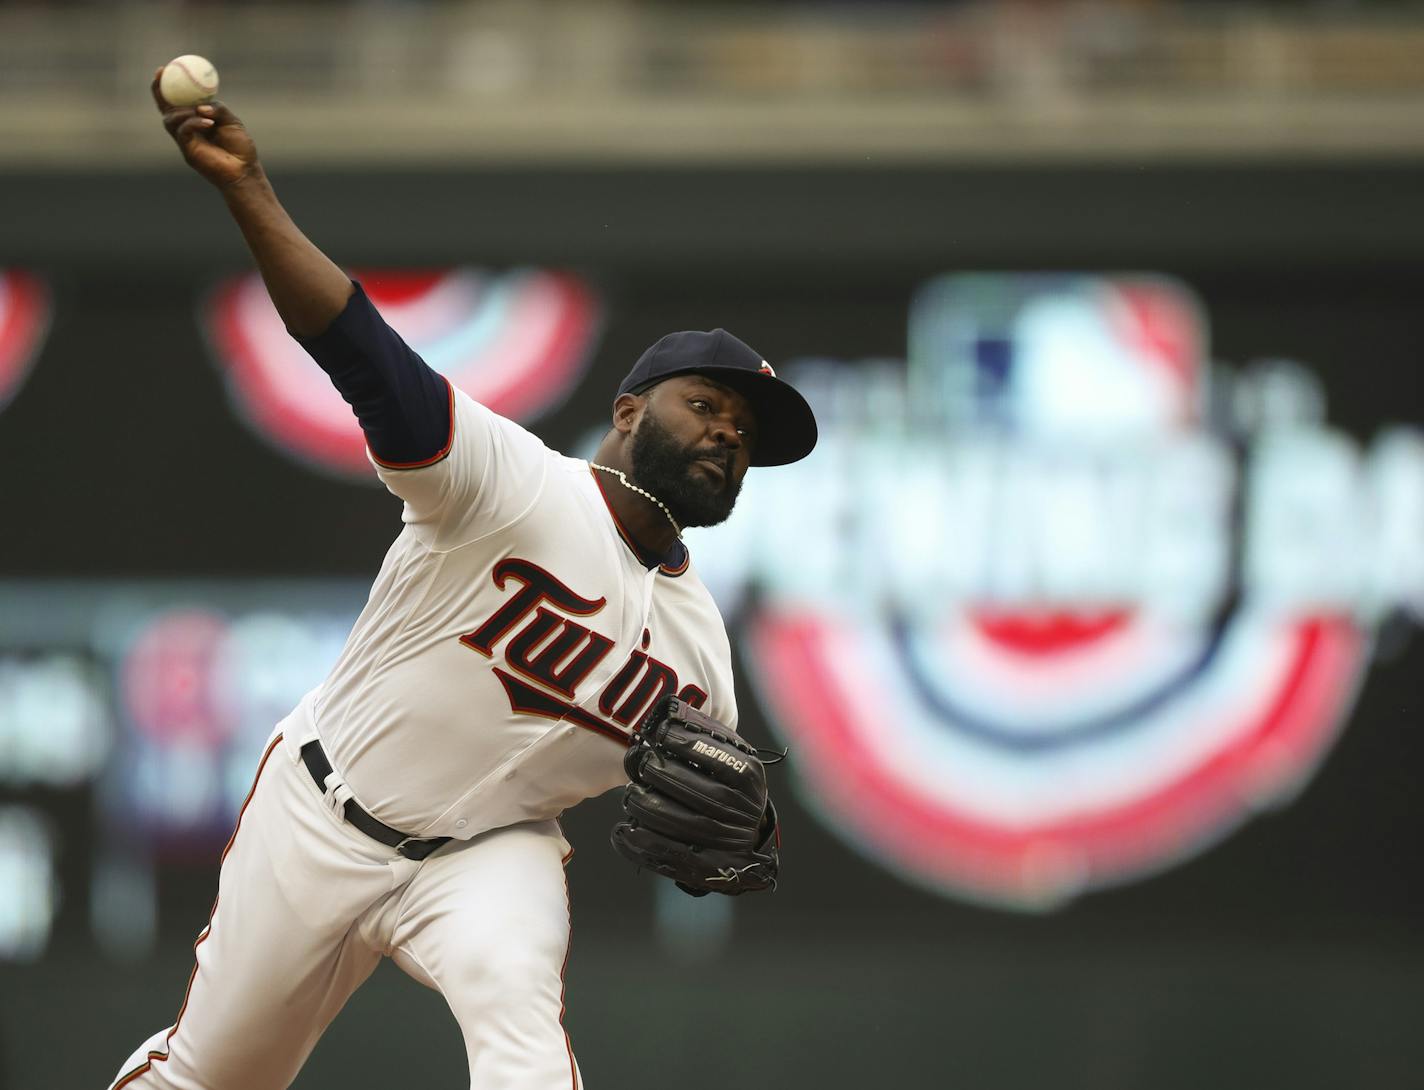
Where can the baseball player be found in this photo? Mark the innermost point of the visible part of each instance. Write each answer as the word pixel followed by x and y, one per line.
pixel 536 635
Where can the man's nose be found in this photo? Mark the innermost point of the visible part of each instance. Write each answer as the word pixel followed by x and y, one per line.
pixel 724 432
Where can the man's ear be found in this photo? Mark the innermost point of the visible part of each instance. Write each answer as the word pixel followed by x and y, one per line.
pixel 627 408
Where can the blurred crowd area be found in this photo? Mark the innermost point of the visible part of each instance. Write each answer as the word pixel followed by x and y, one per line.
pixel 928 78
pixel 1014 47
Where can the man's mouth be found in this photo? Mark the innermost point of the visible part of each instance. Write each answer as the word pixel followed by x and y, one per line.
pixel 714 468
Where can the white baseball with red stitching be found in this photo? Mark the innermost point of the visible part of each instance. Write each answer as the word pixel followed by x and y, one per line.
pixel 188 80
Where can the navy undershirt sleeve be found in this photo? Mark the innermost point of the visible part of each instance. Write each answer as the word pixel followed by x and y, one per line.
pixel 402 404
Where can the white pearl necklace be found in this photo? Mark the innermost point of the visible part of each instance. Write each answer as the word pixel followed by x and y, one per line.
pixel 642 492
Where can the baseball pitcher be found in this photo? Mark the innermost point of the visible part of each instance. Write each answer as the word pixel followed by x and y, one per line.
pixel 536 635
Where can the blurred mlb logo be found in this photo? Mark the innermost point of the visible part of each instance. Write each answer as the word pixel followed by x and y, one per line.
pixel 515 341
pixel 1047 612
pixel 1074 357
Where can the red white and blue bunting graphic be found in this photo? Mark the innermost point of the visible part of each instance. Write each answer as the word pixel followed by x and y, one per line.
pixel 24 320
pixel 957 759
pixel 516 341
pixel 1028 625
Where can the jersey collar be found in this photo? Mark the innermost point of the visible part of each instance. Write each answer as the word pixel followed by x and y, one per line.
pixel 671 563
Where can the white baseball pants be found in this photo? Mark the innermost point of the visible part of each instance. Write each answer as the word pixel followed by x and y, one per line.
pixel 306 907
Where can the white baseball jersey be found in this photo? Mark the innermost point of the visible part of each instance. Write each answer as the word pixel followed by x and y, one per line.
pixel 511 642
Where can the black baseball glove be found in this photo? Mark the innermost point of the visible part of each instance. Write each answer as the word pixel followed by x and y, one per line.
pixel 697 806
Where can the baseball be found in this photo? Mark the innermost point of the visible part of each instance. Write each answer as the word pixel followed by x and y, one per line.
pixel 188 81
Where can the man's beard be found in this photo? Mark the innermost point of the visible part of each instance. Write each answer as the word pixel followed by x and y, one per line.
pixel 667 471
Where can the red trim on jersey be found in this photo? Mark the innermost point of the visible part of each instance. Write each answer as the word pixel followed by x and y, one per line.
pixel 158 1057
pixel 563 987
pixel 444 451
pixel 643 555
pixel 673 573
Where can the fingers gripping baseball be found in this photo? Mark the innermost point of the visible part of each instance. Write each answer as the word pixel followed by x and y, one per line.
pixel 212 139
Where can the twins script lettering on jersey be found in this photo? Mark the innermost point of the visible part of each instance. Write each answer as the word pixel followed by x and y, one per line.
pixel 548 655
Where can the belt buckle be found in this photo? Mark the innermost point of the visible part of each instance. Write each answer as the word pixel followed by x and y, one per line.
pixel 416 848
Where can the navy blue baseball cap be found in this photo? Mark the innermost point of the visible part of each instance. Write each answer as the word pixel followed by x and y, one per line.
pixel 786 427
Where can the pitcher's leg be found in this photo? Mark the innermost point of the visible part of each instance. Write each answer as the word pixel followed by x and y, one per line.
pixel 277 959
pixel 487 924
pixel 189 1056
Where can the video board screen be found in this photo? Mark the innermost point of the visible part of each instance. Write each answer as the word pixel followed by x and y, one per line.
pixel 1089 568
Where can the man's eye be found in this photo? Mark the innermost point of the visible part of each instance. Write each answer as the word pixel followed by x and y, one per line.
pixel 699 404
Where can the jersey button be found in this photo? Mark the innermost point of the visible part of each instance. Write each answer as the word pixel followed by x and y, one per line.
pixel 509 775
pixel 570 732
pixel 461 823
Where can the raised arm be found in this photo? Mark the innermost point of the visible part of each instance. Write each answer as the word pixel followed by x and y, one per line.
pixel 308 289
pixel 403 406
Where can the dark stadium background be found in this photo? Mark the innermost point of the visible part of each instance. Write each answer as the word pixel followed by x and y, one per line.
pixel 1291 955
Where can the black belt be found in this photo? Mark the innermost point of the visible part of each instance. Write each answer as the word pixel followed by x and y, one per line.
pixel 404 843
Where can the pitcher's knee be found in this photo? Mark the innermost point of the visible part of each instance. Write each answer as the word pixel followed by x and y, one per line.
pixel 505 985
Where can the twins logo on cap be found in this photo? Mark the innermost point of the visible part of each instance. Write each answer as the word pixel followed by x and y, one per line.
pixel 1029 623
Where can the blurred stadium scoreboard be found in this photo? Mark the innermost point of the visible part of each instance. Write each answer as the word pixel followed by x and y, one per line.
pixel 1061 601
pixel 129 712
